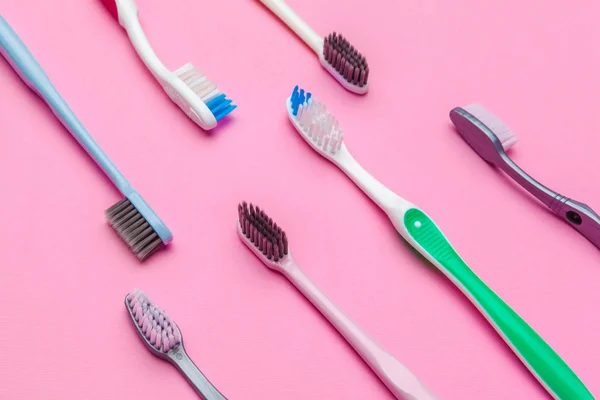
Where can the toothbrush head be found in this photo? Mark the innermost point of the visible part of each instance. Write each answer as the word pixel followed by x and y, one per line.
pixel 159 333
pixel 138 226
pixel 345 63
pixel 266 240
pixel 198 97
pixel 483 131
pixel 315 124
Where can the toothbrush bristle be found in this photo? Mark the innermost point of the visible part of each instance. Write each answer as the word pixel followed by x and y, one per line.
pixel 111 5
pixel 206 90
pixel 315 122
pixel 262 232
pixel 133 229
pixel 506 135
pixel 345 59
pixel 158 329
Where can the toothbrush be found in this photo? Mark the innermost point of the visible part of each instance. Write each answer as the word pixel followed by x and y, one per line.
pixel 132 218
pixel 335 53
pixel 320 129
pixel 196 95
pixel 491 139
pixel 270 244
pixel 163 338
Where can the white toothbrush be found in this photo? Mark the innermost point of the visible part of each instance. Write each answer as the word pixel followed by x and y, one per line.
pixel 196 95
pixel 335 53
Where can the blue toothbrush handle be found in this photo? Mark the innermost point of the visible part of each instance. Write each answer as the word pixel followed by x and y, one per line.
pixel 23 62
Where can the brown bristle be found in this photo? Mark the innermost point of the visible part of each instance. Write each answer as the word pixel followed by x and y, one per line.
pixel 133 229
pixel 260 229
pixel 345 59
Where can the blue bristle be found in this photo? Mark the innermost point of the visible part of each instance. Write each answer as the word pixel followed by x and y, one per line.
pixel 215 100
pixel 298 97
pixel 220 106
pixel 224 112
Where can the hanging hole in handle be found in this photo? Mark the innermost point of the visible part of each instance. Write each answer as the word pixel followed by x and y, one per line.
pixel 574 218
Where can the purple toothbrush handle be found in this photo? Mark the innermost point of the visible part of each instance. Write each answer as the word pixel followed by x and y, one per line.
pixel 580 216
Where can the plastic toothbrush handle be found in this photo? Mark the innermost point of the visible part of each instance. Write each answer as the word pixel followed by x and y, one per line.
pixel 547 366
pixel 291 19
pixel 129 20
pixel 580 216
pixel 195 377
pixel 398 379
pixel 23 62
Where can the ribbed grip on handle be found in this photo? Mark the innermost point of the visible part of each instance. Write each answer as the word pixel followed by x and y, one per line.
pixel 547 366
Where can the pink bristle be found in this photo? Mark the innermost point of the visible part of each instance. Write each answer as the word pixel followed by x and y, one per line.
pixel 165 338
pixel 158 343
pixel 165 342
pixel 506 135
pixel 155 325
pixel 153 336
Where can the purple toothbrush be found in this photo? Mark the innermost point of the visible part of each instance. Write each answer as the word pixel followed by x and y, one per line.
pixel 163 338
pixel 491 139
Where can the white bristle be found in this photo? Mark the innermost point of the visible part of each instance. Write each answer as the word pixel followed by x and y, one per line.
pixel 319 126
pixel 198 82
pixel 506 136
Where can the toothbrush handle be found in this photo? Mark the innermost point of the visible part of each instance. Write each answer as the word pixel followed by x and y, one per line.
pixel 23 62
pixel 580 216
pixel 195 377
pixel 129 20
pixel 291 19
pixel 398 379
pixel 547 366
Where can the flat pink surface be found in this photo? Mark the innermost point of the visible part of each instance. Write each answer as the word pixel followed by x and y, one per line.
pixel 64 329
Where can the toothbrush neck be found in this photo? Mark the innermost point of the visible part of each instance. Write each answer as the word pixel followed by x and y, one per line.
pixel 379 193
pixel 195 377
pixel 129 19
pixel 353 334
pixel 547 196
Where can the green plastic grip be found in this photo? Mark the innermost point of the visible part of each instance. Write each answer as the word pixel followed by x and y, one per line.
pixel 547 366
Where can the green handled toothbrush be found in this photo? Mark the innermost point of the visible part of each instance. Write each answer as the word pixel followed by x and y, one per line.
pixel 321 130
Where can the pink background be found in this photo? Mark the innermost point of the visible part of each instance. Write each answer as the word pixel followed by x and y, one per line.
pixel 64 330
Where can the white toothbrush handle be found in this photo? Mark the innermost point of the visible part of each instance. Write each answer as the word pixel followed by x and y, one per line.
pixel 128 18
pixel 291 19
pixel 398 379
pixel 386 199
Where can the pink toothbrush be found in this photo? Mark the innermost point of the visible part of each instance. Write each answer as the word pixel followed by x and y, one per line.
pixel 269 243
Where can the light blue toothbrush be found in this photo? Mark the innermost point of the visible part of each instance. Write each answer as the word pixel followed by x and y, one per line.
pixel 132 218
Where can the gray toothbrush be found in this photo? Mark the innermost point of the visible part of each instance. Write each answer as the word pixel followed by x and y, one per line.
pixel 491 138
pixel 163 338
